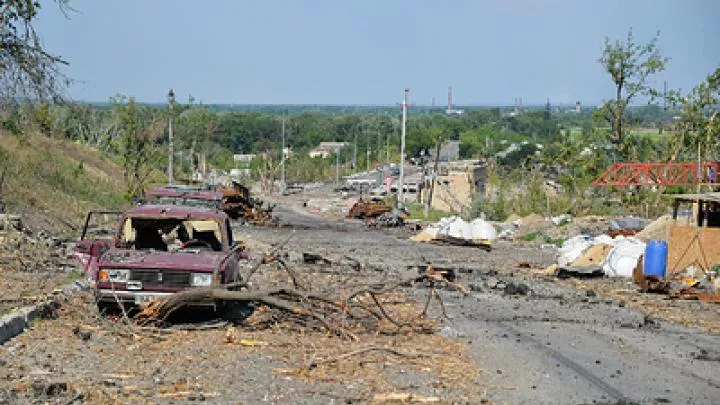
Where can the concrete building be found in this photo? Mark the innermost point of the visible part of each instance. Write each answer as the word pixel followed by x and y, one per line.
pixel 457 184
pixel 449 151
pixel 326 149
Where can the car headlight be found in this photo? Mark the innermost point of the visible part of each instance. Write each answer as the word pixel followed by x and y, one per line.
pixel 201 279
pixel 115 275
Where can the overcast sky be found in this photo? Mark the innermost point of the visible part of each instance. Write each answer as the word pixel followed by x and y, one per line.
pixel 368 51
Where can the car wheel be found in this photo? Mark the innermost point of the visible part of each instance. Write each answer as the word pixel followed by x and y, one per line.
pixel 236 311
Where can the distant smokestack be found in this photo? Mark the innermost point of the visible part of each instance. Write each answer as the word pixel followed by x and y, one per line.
pixel 450 98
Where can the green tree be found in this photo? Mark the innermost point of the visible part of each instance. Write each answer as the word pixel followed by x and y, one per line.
pixel 629 65
pixel 138 129
pixel 194 127
pixel 27 70
pixel 699 125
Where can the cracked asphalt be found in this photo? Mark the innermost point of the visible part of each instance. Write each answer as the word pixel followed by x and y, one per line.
pixel 544 342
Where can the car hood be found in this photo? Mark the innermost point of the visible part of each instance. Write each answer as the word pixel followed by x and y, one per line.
pixel 204 261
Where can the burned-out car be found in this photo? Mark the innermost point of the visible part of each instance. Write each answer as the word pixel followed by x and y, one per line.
pixel 190 197
pixel 157 250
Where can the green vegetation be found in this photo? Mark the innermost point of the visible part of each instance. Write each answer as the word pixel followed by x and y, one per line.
pixel 62 158
pixel 72 276
pixel 416 212
pixel 629 65
pixel 57 181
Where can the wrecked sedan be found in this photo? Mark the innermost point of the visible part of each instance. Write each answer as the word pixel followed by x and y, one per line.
pixel 158 250
pixel 185 196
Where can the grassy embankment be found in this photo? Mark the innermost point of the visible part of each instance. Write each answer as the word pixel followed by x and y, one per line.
pixel 52 183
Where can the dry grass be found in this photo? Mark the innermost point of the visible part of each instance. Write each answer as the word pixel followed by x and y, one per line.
pixel 53 183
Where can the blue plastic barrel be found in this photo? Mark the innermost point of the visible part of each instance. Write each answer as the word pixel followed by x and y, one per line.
pixel 655 259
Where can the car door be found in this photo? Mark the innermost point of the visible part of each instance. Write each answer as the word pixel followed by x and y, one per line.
pixel 95 240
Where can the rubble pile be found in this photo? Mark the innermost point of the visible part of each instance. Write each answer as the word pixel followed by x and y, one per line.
pixel 626 226
pixel 31 263
pixel 656 230
pixel 392 219
pixel 238 204
pixel 560 226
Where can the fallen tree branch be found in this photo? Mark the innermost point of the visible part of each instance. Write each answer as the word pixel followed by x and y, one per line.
pixel 314 363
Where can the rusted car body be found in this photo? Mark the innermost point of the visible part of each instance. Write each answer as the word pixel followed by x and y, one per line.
pixel 157 250
pixel 236 199
pixel 185 196
pixel 370 208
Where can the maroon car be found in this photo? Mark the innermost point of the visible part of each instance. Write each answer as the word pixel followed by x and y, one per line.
pixel 190 197
pixel 157 250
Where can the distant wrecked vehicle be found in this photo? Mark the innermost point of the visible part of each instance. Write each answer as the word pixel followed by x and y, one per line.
pixel 191 197
pixel 158 250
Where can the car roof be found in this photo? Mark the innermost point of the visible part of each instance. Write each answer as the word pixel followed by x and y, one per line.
pixel 175 211
pixel 173 192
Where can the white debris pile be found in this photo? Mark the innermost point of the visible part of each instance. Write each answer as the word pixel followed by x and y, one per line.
pixel 622 259
pixel 456 230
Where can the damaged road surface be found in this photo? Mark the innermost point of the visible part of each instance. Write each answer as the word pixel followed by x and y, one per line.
pixel 508 338
pixel 538 341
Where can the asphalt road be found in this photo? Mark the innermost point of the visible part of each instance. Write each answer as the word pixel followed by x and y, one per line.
pixel 551 345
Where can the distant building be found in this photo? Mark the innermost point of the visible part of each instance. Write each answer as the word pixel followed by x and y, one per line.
pixel 449 151
pixel 325 149
pixel 248 157
pixel 457 183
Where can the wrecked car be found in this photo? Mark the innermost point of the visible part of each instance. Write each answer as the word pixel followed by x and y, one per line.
pixel 181 196
pixel 368 208
pixel 157 250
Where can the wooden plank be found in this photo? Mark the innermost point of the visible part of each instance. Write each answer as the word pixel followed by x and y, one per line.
pixel 688 245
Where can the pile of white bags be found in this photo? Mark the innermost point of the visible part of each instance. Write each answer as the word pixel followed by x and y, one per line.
pixel 621 261
pixel 455 228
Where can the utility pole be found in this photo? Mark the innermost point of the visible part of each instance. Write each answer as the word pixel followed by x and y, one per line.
pixel 337 165
pixel 282 156
pixel 354 157
pixel 367 149
pixel 429 195
pixel 171 101
pixel 401 180
pixel 379 146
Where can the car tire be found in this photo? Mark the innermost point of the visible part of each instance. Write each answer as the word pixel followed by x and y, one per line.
pixel 236 311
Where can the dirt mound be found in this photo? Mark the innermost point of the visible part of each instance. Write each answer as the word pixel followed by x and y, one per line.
pixel 513 218
pixel 656 230
pixel 532 223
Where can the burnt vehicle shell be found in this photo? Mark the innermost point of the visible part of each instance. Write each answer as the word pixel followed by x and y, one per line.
pixel 149 274
pixel 184 196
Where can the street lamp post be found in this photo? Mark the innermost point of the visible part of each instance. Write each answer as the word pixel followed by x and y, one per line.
pixel 282 156
pixel 171 102
pixel 401 181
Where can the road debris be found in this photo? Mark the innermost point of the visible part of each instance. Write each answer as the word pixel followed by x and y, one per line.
pixel 238 204
pixel 368 208
pixel 454 230
pixel 628 226
pixel 617 257
pixel 579 272
pixel 391 219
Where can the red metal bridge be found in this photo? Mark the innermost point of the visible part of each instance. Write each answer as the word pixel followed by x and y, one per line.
pixel 658 174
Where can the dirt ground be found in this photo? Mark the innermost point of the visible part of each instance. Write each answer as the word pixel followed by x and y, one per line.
pixel 517 337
